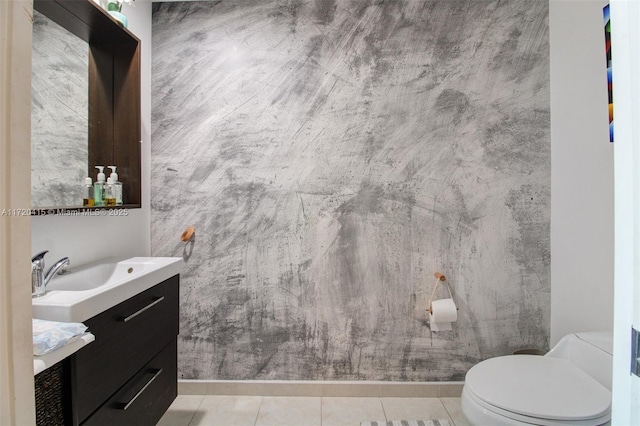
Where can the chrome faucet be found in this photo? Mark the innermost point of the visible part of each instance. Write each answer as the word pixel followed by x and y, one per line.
pixel 39 279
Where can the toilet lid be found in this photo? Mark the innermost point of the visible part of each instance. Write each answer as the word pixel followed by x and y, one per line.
pixel 538 386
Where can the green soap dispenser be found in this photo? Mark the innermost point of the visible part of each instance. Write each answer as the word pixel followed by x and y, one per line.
pixel 98 187
pixel 117 185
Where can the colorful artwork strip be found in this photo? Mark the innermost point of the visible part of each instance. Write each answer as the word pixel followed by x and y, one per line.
pixel 607 37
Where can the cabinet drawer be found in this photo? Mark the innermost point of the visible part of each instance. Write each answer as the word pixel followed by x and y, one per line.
pixel 144 398
pixel 128 336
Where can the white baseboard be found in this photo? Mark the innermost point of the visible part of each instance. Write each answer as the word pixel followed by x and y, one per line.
pixel 320 388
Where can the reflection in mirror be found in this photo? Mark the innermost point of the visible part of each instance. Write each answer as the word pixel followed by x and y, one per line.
pixel 59 115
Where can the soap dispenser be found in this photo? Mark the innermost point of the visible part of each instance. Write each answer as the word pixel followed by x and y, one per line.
pixel 98 188
pixel 109 197
pixel 117 186
pixel 87 193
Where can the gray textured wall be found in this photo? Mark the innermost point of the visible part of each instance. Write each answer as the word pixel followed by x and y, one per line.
pixel 333 156
pixel 59 115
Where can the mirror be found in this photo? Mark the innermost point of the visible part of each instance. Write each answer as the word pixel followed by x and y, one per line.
pixel 85 103
pixel 59 115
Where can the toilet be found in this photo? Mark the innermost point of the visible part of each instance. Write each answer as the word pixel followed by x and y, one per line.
pixel 570 385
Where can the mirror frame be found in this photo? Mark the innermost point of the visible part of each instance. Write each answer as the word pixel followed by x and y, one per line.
pixel 114 93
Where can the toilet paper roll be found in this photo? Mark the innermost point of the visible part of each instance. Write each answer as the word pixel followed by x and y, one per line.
pixel 442 313
pixel 439 326
pixel 443 310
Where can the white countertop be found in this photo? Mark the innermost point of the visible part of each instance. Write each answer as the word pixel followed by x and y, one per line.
pixel 88 290
pixel 42 362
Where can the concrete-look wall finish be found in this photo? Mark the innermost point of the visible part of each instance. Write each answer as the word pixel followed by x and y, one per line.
pixel 333 156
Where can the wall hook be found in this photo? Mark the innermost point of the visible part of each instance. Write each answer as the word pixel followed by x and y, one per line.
pixel 188 234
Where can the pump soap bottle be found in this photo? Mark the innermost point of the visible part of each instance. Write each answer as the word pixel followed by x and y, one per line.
pixel 117 186
pixel 109 197
pixel 98 188
pixel 87 199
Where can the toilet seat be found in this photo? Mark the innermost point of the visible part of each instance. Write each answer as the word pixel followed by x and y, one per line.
pixel 538 390
pixel 478 412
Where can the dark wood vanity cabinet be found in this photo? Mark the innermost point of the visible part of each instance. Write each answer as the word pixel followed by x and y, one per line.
pixel 128 375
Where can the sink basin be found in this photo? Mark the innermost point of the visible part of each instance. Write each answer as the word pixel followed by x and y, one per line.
pixel 99 275
pixel 88 290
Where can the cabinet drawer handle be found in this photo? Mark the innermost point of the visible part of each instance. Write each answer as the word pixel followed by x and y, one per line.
pixel 128 404
pixel 149 306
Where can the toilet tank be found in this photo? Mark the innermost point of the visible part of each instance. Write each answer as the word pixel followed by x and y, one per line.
pixel 592 352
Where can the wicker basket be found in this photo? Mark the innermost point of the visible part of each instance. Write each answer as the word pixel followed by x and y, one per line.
pixel 50 397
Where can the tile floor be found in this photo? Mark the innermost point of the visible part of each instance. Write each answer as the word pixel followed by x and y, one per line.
pixel 208 410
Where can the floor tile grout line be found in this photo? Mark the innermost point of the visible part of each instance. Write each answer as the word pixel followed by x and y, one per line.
pixel 255 422
pixel 447 411
pixel 383 410
pixel 196 411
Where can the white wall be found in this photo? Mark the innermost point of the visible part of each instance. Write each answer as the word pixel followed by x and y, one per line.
pixel 16 341
pixel 625 18
pixel 85 239
pixel 581 171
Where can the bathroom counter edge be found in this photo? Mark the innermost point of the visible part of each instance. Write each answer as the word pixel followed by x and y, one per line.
pixel 42 362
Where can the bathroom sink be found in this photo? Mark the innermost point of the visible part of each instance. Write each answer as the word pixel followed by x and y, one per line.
pixel 86 291
pixel 99 275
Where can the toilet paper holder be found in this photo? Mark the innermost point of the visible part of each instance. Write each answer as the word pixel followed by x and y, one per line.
pixel 440 277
